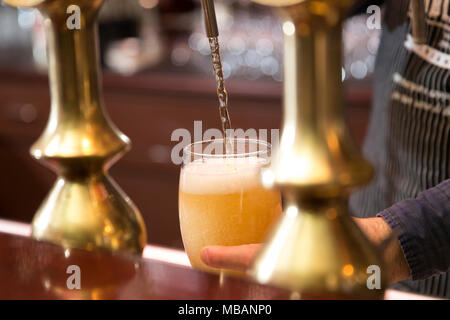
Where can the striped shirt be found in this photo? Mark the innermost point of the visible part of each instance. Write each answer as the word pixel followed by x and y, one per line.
pixel 408 142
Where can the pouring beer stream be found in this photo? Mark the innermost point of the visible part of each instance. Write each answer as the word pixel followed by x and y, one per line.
pixel 213 36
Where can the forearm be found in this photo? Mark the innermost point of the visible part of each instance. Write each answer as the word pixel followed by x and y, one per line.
pixel 383 237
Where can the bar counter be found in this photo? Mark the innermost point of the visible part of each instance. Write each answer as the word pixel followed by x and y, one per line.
pixel 31 269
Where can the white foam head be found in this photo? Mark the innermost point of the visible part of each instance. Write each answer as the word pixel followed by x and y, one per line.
pixel 221 175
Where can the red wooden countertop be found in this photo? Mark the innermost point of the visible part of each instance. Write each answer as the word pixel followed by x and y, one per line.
pixel 31 269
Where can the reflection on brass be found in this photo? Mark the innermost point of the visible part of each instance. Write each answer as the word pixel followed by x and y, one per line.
pixel 92 281
pixel 85 208
pixel 316 249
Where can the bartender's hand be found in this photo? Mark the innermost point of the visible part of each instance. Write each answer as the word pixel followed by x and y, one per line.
pixel 376 230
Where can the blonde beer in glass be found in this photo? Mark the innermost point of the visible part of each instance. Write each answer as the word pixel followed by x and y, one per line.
pixel 221 197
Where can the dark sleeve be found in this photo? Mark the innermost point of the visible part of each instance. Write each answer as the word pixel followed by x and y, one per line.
pixel 423 226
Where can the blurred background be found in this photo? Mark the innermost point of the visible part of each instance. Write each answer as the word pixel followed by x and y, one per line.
pixel 158 78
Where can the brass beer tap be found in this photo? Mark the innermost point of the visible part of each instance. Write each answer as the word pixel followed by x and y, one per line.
pixel 316 249
pixel 85 208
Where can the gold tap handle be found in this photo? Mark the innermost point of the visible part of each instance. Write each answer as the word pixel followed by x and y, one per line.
pixel 418 21
pixel 210 18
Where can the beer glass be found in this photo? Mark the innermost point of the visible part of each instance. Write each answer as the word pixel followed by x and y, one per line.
pixel 221 197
